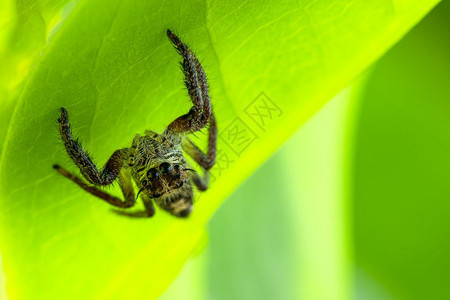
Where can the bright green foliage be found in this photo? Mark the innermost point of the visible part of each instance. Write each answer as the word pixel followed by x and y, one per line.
pixel 401 180
pixel 112 67
pixel 25 29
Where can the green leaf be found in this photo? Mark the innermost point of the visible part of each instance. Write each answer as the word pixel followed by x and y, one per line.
pixel 114 70
pixel 25 29
pixel 402 163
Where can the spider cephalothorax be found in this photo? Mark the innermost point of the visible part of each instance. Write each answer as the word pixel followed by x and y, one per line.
pixel 160 170
pixel 154 161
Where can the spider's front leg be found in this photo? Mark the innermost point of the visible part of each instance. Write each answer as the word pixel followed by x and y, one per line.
pixel 110 172
pixel 200 114
pixel 81 158
pixel 195 80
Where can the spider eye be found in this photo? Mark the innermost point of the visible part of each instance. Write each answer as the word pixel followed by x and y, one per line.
pixel 177 168
pixel 144 182
pixel 152 173
pixel 165 167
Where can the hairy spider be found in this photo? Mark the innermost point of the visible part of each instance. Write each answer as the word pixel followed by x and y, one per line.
pixel 154 161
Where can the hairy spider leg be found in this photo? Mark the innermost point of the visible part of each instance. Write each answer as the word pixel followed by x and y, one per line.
pixel 195 80
pixel 81 158
pixel 124 182
pixel 147 213
pixel 199 115
pixel 206 161
pixel 110 172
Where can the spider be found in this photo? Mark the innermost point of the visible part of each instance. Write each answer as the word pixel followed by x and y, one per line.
pixel 155 161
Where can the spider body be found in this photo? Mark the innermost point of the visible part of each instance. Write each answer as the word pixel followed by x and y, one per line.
pixel 154 161
pixel 160 171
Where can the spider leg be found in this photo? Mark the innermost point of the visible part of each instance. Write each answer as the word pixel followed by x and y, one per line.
pixel 81 158
pixel 124 182
pixel 199 115
pixel 195 80
pixel 206 161
pixel 147 213
pixel 201 182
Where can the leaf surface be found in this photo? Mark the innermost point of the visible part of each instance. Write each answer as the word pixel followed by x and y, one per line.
pixel 401 169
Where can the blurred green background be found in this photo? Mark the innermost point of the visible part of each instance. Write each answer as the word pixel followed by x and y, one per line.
pixel 357 203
